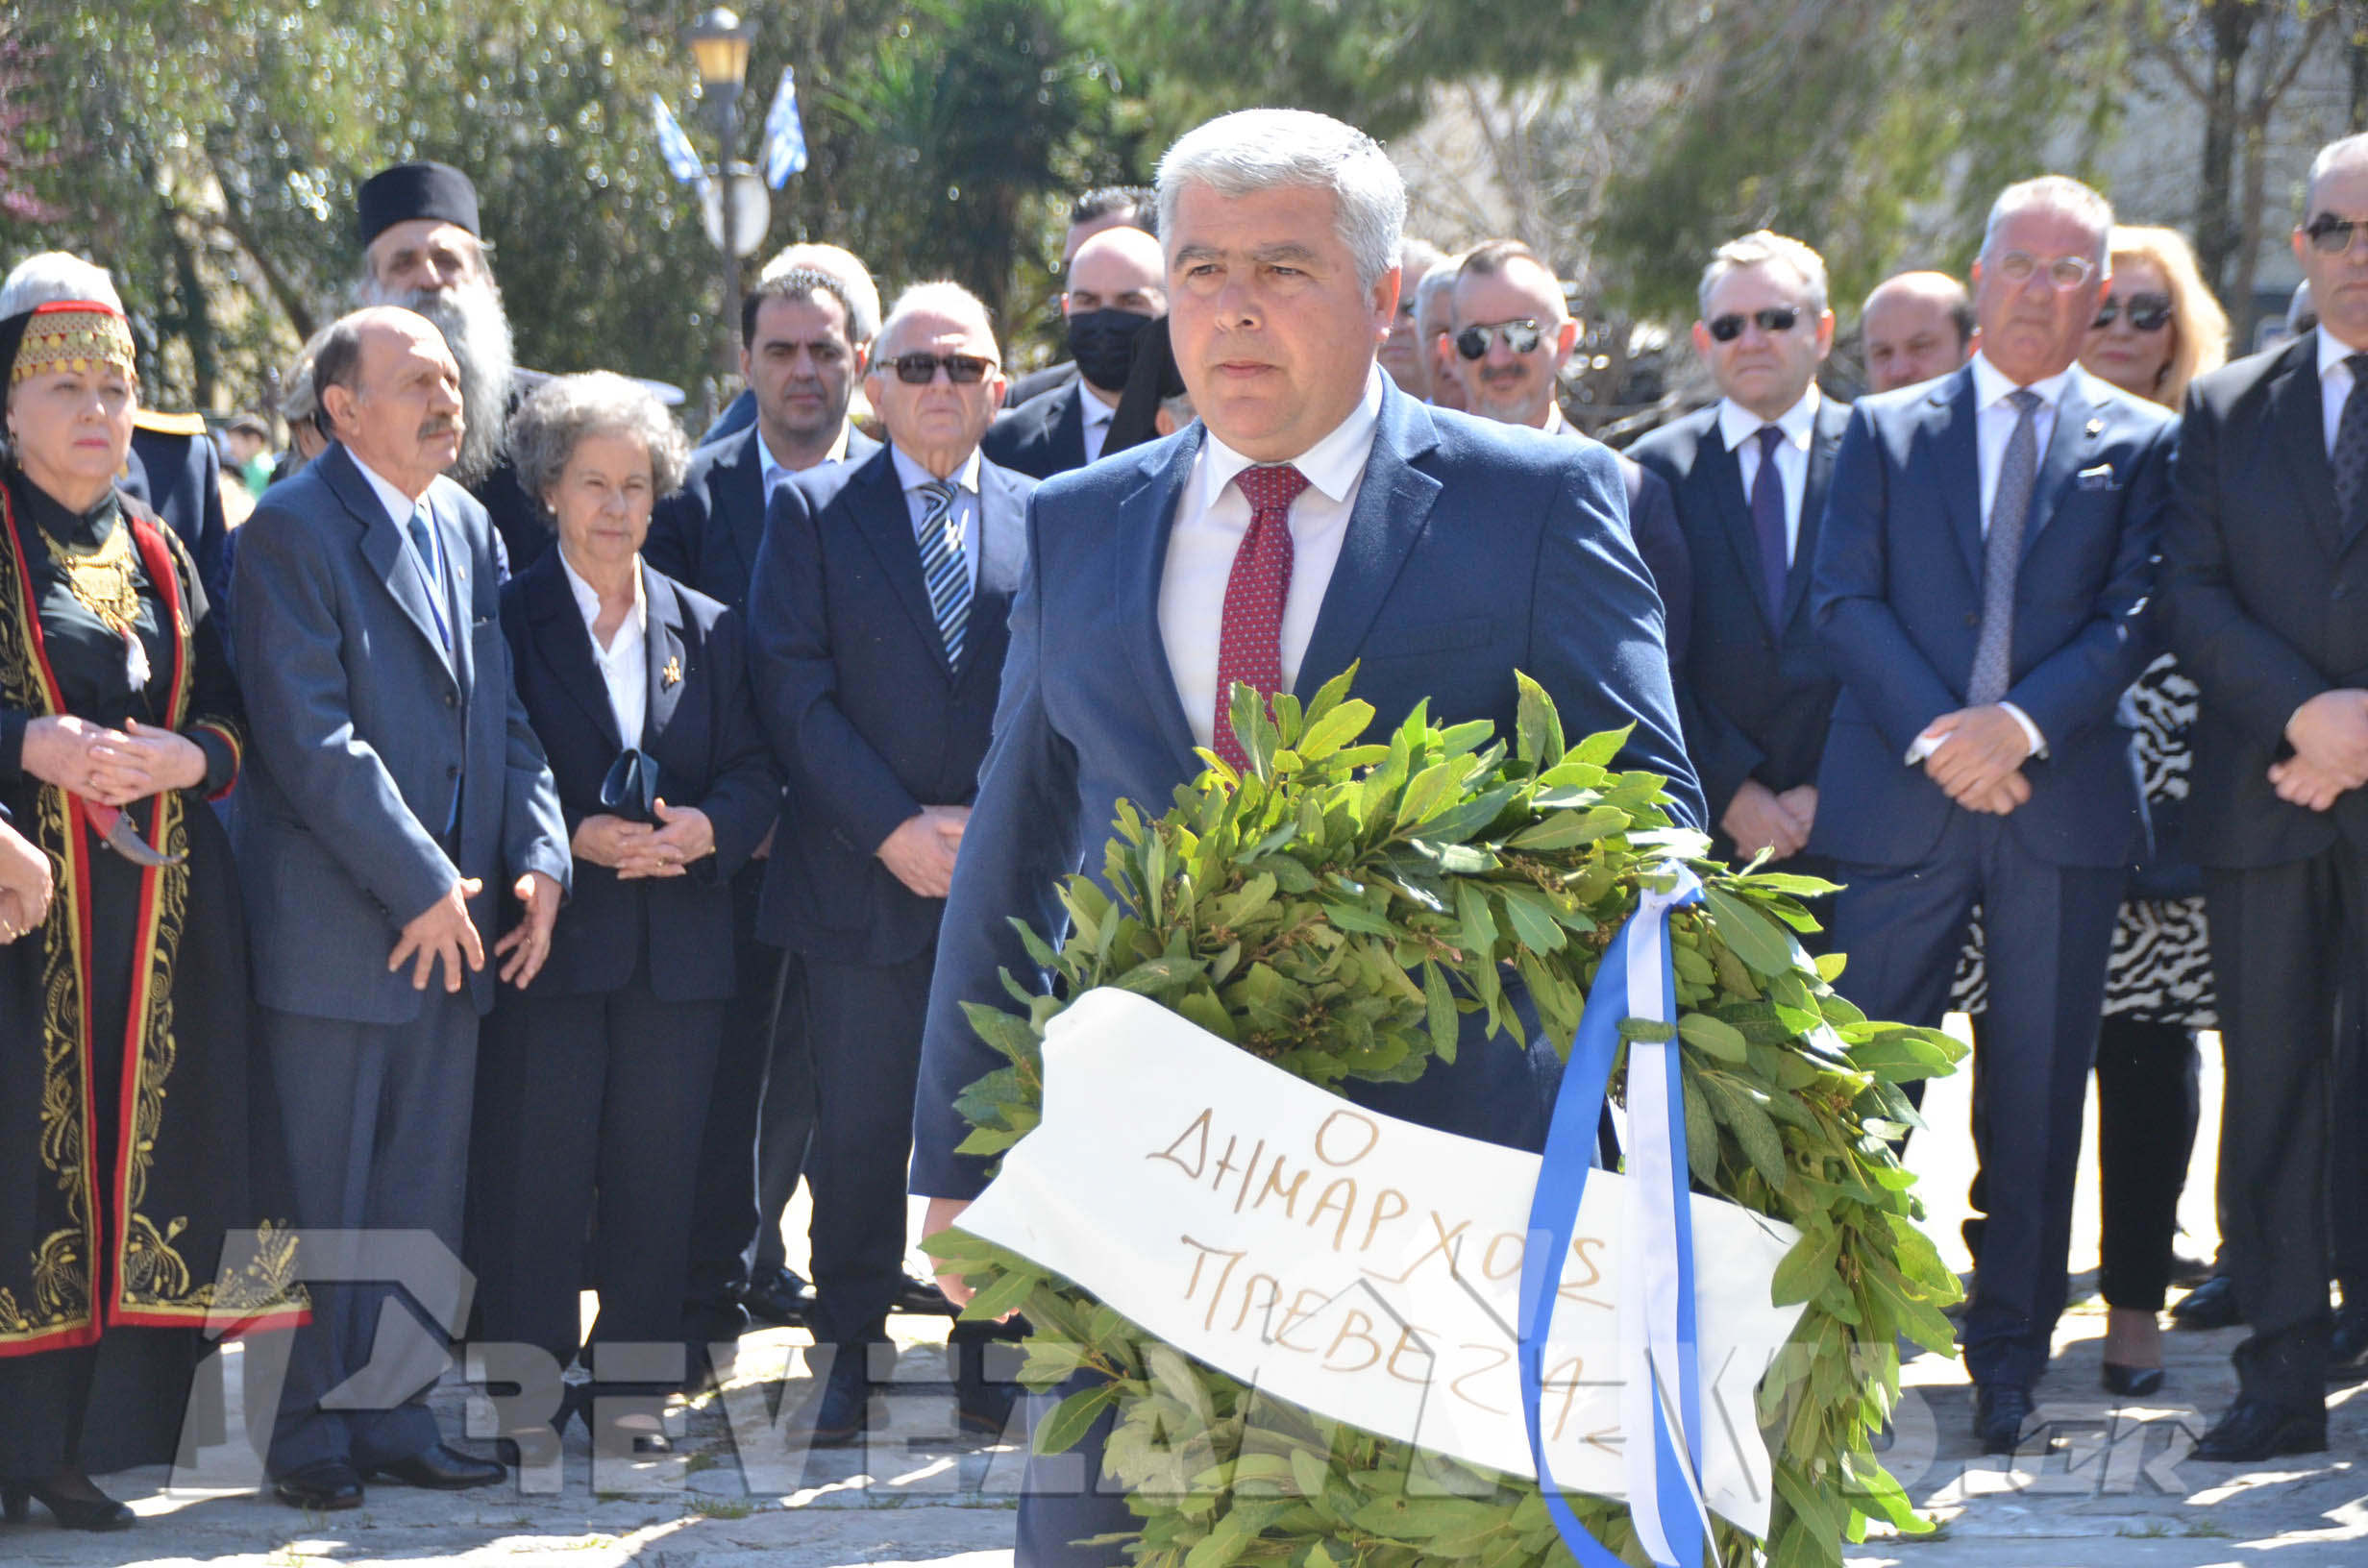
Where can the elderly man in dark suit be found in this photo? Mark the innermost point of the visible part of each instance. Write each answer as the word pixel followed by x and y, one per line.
pixel 1115 291
pixel 1749 475
pixel 805 334
pixel 393 789
pixel 1980 584
pixel 2265 568
pixel 1442 551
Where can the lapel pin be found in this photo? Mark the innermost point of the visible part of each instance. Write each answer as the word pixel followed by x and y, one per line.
pixel 671 675
pixel 2096 426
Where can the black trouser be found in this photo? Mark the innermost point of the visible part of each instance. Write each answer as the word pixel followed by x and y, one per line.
pixel 2282 938
pixel 2146 1115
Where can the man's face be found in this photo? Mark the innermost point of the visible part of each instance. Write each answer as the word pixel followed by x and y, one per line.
pixel 1273 334
pixel 2031 327
pixel 1079 232
pixel 425 252
pixel 403 416
pixel 1765 369
pixel 938 421
pixel 801 367
pixel 1504 383
pixel 2338 281
pixel 1401 351
pixel 1435 322
pixel 1911 337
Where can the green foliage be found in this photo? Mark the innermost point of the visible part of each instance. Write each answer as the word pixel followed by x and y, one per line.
pixel 1335 910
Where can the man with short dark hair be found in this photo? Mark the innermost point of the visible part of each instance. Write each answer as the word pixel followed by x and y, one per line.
pixel 1117 288
pixel 1915 326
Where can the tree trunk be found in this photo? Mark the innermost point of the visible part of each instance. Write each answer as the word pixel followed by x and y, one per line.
pixel 2230 24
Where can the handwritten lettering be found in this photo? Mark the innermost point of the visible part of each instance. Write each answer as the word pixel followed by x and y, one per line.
pixel 1346 1208
pixel 1415 1337
pixel 1488 1259
pixel 1497 1356
pixel 1571 1290
pixel 1275 1186
pixel 1353 1123
pixel 1198 1135
pixel 1383 1214
pixel 1298 1310
pixel 1192 1288
pixel 1360 1328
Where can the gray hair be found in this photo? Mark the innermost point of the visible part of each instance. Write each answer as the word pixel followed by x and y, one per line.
pixel 1440 279
pixel 1758 249
pixel 2343 152
pixel 1418 255
pixel 54 275
pixel 861 294
pixel 557 415
pixel 938 297
pixel 2058 193
pixel 300 399
pixel 1263 149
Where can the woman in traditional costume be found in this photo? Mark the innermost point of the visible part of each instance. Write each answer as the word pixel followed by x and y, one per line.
pixel 130 1120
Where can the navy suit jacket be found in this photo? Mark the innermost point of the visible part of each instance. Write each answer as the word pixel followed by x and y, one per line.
pixel 1041 437
pixel 1897 598
pixel 705 534
pixel 180 475
pixel 1474 550
pixel 362 728
pixel 870 721
pixel 701 729
pixel 1756 691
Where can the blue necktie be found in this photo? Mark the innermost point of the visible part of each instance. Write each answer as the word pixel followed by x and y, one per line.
pixel 944 569
pixel 1767 523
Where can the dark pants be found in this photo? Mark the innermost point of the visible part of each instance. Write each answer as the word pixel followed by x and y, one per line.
pixel 2049 930
pixel 2146 1115
pixel 376 1120
pixel 584 1104
pixel 1064 1499
pixel 784 1117
pixel 2282 938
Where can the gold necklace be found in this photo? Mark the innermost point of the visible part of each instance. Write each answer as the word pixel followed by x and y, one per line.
pixel 101 579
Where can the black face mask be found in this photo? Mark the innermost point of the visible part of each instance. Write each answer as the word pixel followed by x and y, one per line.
pixel 1102 343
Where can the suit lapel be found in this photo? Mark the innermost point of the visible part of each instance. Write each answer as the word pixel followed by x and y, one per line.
pixel 1069 433
pixel 382 541
pixel 2079 423
pixel 2296 409
pixel 457 600
pixel 1717 467
pixel 1393 508
pixel 885 519
pixel 1824 441
pixel 566 643
pixel 737 489
pixel 1949 430
pixel 1002 534
pixel 1138 559
pixel 662 646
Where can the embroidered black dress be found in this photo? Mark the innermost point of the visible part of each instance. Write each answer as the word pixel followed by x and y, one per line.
pixel 130 1121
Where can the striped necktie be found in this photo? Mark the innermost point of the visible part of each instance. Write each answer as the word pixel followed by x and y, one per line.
pixel 944 569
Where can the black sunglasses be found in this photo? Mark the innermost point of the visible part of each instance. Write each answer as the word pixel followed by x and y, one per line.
pixel 1521 337
pixel 1776 318
pixel 2333 235
pixel 961 369
pixel 2148 312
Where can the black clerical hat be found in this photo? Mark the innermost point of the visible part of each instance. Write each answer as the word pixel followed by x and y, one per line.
pixel 415 191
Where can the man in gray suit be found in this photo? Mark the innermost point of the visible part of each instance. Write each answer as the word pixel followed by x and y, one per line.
pixel 392 775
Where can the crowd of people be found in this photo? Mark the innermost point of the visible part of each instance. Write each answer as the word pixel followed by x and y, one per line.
pixel 529 828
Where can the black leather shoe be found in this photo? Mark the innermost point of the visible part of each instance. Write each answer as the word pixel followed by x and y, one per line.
pixel 1999 1412
pixel 783 1300
pixel 2347 1347
pixel 2132 1381
pixel 844 1409
pixel 437 1468
pixel 70 1499
pixel 2256 1430
pixel 322 1486
pixel 921 1298
pixel 2211 1305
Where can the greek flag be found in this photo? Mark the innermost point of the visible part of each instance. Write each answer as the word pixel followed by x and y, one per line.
pixel 785 136
pixel 682 161
pixel 1660 1395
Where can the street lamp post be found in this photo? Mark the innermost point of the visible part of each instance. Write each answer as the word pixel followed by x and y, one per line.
pixel 720 44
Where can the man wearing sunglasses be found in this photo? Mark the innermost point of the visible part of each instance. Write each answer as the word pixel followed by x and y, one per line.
pixel 1512 334
pixel 1750 474
pixel 877 633
pixel 2266 580
pixel 1980 585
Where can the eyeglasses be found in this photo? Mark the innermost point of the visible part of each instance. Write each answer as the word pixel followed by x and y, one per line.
pixel 1521 337
pixel 2147 312
pixel 2333 235
pixel 2065 273
pixel 961 369
pixel 1776 318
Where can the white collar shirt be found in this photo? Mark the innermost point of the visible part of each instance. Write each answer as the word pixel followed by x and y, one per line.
pixel 776 473
pixel 400 507
pixel 913 478
pixel 1211 519
pixel 1740 429
pixel 1994 420
pixel 1098 417
pixel 2334 380
pixel 624 664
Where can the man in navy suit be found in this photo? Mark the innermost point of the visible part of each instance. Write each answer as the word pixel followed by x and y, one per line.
pixel 804 336
pixel 877 624
pixel 1115 291
pixel 1980 585
pixel 1442 552
pixel 1750 474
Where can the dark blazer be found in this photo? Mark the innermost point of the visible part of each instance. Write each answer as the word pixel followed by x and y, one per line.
pixel 1041 437
pixel 1755 694
pixel 1473 551
pixel 2266 595
pixel 176 470
pixel 701 729
pixel 362 730
pixel 705 534
pixel 1896 597
pixel 868 720
pixel 1036 383
pixel 1652 522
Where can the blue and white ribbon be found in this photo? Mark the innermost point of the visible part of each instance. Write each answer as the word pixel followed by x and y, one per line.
pixel 683 160
pixel 1661 1404
pixel 784 133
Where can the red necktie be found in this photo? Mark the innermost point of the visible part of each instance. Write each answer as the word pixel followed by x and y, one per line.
pixel 1250 644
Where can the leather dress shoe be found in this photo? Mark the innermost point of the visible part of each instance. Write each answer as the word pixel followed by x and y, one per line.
pixel 783 1299
pixel 1999 1412
pixel 2211 1305
pixel 437 1468
pixel 2347 1346
pixel 921 1298
pixel 321 1486
pixel 2132 1381
pixel 70 1499
pixel 845 1407
pixel 2257 1429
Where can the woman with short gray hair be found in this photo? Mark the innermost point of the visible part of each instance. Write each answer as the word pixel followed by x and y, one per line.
pixel 593 1081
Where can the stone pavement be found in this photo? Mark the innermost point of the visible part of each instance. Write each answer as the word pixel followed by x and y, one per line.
pixel 2103 1487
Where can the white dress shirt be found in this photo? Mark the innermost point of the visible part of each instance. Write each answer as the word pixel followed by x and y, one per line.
pixel 400 507
pixel 912 477
pixel 2335 381
pixel 775 474
pixel 1098 417
pixel 1210 521
pixel 1740 429
pixel 625 669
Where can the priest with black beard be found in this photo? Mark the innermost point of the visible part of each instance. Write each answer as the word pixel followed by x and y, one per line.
pixel 1117 288
pixel 422 248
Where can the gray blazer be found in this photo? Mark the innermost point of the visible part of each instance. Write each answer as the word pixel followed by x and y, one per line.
pixel 361 727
